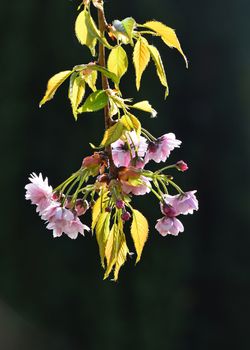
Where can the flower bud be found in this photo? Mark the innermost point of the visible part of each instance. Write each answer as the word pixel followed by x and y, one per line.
pixel 81 206
pixel 119 204
pixel 182 166
pixel 168 210
pixel 126 216
pixel 108 209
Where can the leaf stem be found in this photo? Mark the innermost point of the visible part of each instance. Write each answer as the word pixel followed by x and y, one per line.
pixel 102 23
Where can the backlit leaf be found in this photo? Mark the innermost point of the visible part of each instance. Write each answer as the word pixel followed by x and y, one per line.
pixel 109 74
pixel 118 61
pixel 131 123
pixel 95 101
pixel 167 34
pixel 155 54
pixel 145 106
pixel 84 31
pixel 76 92
pixel 90 79
pixel 141 57
pixel 98 208
pixel 139 232
pixel 102 232
pixel 113 133
pixel 53 85
pixel 126 121
pixel 111 250
pixel 129 25
pixel 121 256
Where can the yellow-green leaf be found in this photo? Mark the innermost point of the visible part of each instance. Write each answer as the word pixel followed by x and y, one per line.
pixel 76 92
pixel 102 232
pixel 129 25
pixel 53 85
pixel 136 123
pixel 155 54
pixel 127 122
pixel 121 256
pixel 141 57
pixel 118 61
pixel 95 101
pixel 98 208
pixel 167 34
pixel 145 106
pixel 111 249
pixel 112 134
pixel 90 79
pixel 139 232
pixel 131 123
pixel 84 31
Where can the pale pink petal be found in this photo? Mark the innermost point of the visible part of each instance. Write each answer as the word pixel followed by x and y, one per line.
pixel 187 203
pixel 139 190
pixel 169 226
pixel 39 192
pixel 160 150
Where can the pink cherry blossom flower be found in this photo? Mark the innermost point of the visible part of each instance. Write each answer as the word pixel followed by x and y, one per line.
pixel 186 203
pixel 182 203
pixel 160 150
pixel 169 225
pixel 39 192
pixel 64 221
pixel 121 153
pixel 173 206
pixel 138 190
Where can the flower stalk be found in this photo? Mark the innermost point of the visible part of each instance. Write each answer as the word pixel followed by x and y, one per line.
pixel 102 24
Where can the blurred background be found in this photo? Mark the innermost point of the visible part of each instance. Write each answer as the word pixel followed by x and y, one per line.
pixel 190 292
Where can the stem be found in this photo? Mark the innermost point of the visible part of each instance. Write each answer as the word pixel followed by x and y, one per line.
pixel 165 168
pixel 105 85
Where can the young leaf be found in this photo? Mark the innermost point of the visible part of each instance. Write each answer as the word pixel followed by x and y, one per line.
pixel 76 92
pixel 167 34
pixel 98 208
pixel 141 57
pixel 129 25
pixel 145 106
pixel 121 256
pixel 90 79
pixel 109 244
pixel 113 109
pixel 111 249
pixel 113 133
pixel 83 31
pixel 53 85
pixel 118 61
pixel 130 122
pixel 139 232
pixel 136 123
pixel 155 54
pixel 109 74
pixel 95 101
pixel 102 233
pixel 127 122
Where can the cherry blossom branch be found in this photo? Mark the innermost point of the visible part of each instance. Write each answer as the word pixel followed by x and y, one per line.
pixel 102 24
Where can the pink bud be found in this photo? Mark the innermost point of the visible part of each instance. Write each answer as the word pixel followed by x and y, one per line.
pixel 119 204
pixel 126 216
pixel 182 166
pixel 108 209
pixel 81 206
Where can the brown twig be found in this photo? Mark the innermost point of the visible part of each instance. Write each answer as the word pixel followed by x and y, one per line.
pixel 102 24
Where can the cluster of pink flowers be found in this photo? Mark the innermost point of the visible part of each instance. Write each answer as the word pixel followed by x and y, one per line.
pixel 171 207
pixel 138 151
pixel 59 219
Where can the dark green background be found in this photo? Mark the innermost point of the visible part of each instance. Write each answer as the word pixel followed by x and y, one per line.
pixel 190 292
